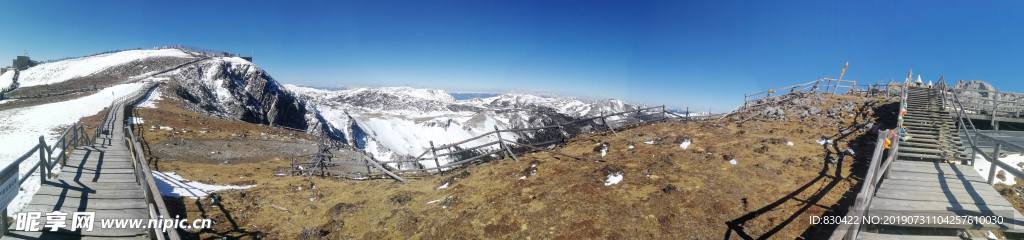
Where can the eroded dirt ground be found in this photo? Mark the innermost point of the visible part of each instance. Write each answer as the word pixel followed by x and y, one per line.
pixel 666 192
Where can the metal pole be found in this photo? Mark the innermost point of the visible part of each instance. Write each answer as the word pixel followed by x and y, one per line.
pixel 992 169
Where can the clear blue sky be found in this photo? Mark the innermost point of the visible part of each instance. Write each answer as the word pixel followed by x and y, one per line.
pixel 678 53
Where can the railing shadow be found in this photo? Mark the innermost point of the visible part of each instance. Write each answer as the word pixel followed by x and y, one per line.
pixel 858 168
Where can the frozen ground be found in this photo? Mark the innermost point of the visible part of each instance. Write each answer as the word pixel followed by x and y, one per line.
pixel 20 130
pixel 56 72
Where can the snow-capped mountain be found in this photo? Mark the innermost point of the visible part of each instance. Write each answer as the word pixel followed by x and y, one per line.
pixel 400 122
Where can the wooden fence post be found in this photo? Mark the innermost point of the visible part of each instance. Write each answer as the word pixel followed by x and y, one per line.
pixel 436 162
pixel 605 122
pixel 562 133
pixel 995 105
pixel 42 167
pixel 992 169
pixel 688 110
pixel 744 105
pixel 367 159
pixel 828 84
pixel 501 142
pixel 3 222
pixel 664 116
pixel 45 161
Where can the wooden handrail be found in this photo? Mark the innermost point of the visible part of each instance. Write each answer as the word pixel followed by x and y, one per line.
pixel 143 173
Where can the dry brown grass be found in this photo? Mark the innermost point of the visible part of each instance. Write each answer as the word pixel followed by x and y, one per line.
pixel 667 192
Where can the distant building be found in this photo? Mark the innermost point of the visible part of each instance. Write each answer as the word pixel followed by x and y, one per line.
pixel 23 62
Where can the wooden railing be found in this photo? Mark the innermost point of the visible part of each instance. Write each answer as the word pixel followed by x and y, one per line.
pixel 830 86
pixel 993 106
pixel 950 93
pixel 143 174
pixel 78 137
pixel 878 169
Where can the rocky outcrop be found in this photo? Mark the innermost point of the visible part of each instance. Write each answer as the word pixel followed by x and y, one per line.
pixel 975 85
pixel 235 89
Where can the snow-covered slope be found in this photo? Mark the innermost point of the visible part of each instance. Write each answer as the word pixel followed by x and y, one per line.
pixel 399 122
pixel 7 79
pixel 55 72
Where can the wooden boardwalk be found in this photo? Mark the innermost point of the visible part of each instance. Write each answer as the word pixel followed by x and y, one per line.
pixel 98 178
pixel 926 179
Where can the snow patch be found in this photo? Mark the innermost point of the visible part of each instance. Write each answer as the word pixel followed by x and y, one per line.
pixel 685 144
pixel 439 200
pixel 173 185
pixel 789 143
pixel 613 178
pixel 443 186
pixel 824 141
pixel 982 166
pixel 649 142
pixel 733 161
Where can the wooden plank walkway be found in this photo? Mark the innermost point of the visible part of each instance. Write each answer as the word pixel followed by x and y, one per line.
pixel 98 178
pixel 927 180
